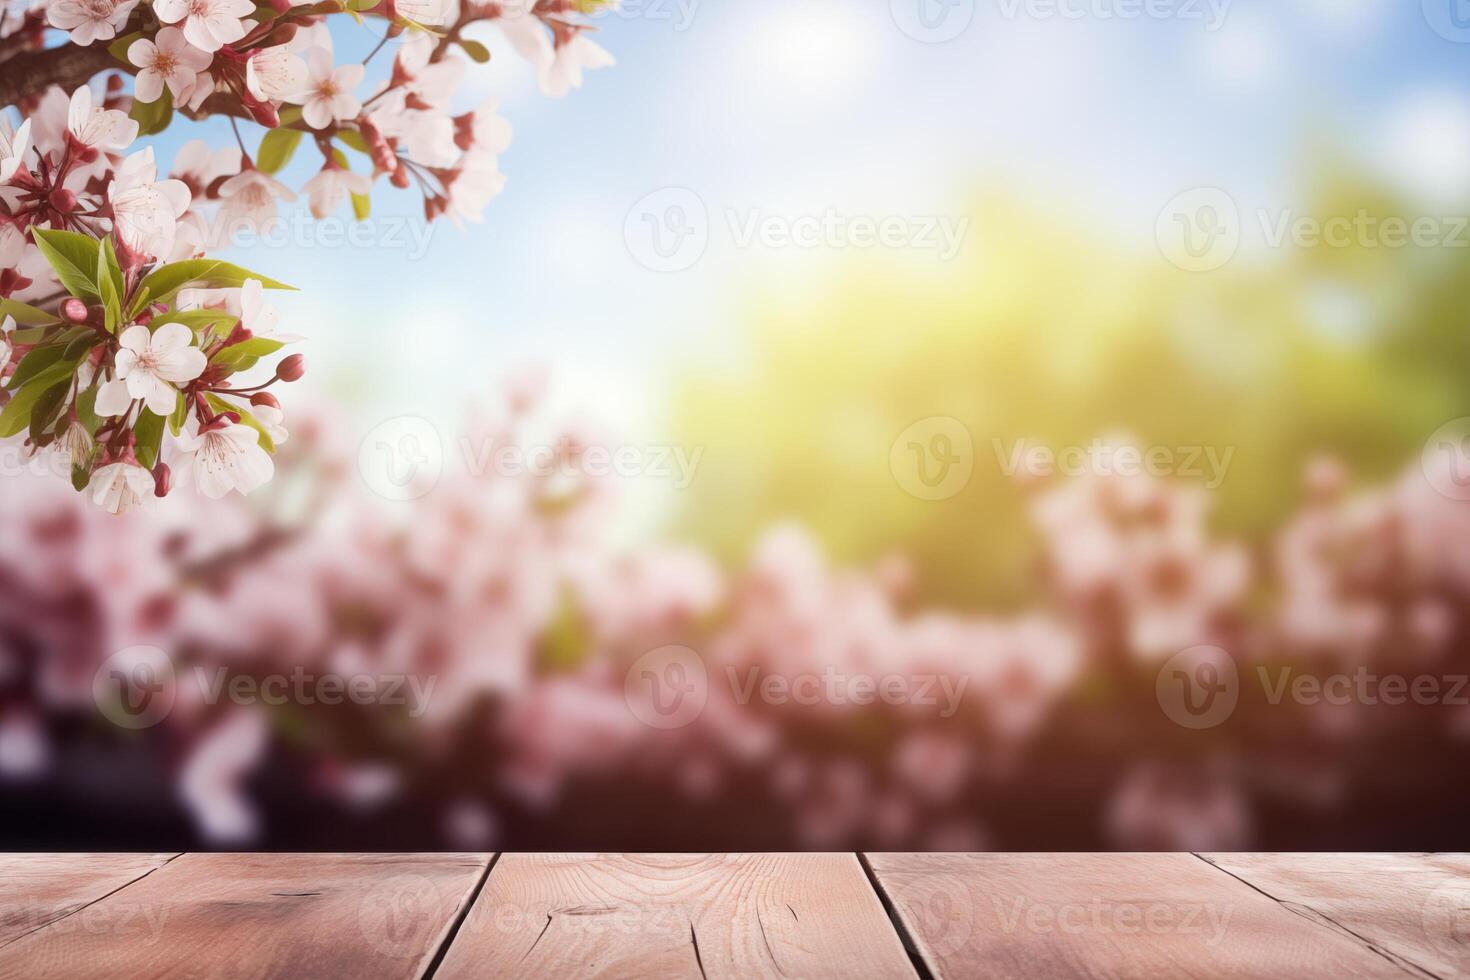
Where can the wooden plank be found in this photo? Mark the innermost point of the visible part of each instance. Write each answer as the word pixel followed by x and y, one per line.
pixel 261 915
pixel 1104 915
pixel 37 889
pixel 672 916
pixel 1412 908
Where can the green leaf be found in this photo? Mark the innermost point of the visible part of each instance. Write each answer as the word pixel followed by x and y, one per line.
pixel 362 206
pixel 200 321
pixel 477 51
pixel 276 148
pixel 43 359
pixel 354 140
pixel 244 355
pixel 119 48
pixel 26 316
pixel 220 405
pixel 47 411
pixel 148 433
pixel 109 285
pixel 16 415
pixel 290 114
pixel 153 117
pixel 179 417
pixel 164 283
pixel 81 476
pixel 73 256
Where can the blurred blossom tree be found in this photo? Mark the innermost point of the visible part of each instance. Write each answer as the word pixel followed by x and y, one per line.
pixel 125 350
pixel 1039 335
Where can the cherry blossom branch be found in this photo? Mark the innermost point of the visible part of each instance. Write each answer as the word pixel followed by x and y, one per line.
pixel 31 73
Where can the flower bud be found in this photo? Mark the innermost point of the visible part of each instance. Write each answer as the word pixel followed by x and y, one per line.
pixel 265 114
pixel 265 398
pixel 292 368
pixel 162 480
pixel 400 177
pixel 73 310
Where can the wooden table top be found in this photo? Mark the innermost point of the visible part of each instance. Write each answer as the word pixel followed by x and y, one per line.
pixel 838 915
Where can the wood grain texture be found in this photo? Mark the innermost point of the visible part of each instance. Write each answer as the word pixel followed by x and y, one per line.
pixel 1105 915
pixel 672 916
pixel 361 916
pixel 1412 908
pixel 38 889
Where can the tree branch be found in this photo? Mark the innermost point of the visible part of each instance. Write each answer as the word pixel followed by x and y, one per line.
pixel 30 73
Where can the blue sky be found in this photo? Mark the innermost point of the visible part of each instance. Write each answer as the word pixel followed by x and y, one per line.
pixel 792 107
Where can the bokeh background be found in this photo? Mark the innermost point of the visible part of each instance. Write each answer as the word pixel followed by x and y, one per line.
pixel 851 415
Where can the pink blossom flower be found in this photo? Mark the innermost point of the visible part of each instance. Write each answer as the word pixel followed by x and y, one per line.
pixel 166 60
pixel 14 144
pixel 90 20
pixel 250 199
pixel 274 74
pixel 145 210
pixel 96 127
pixel 476 182
pixel 208 24
pixel 564 71
pixel 327 97
pixel 330 187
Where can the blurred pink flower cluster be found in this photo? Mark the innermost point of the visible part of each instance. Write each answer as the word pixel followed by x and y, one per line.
pixel 830 709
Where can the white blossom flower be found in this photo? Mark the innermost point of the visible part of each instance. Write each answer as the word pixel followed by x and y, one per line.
pixel 198 165
pixel 75 445
pixel 169 60
pixel 98 128
pixel 271 419
pixel 89 20
pixel 526 34
pixel 258 316
pixel 327 96
pixel 208 24
pixel 250 199
pixel 485 129
pixel 119 487
pixel 577 54
pixel 145 210
pixel 330 187
pixel 148 365
pixel 475 184
pixel 203 89
pixel 275 73
pixel 14 144
pixel 5 346
pixel 431 13
pixel 224 458
pixel 433 82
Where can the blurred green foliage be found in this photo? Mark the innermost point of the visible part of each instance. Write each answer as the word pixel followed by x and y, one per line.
pixel 1041 332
